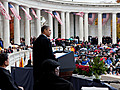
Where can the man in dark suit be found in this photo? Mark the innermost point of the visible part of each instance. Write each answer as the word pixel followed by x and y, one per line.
pixel 50 77
pixel 6 80
pixel 42 50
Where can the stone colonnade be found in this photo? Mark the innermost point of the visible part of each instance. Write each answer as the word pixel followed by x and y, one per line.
pixel 67 28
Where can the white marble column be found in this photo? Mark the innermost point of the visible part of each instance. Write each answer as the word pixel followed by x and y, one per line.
pixel 71 25
pixel 6 29
pixel 16 27
pixel 76 25
pixel 67 35
pixel 63 25
pixel 114 41
pixel 50 24
pixel 38 22
pixel 86 26
pixel 56 28
pixel 81 28
pixel 27 29
pixel 22 24
pixel 1 27
pixel 99 28
pixel 33 27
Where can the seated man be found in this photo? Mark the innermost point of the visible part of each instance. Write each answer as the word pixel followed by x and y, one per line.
pixel 6 80
pixel 50 79
pixel 29 64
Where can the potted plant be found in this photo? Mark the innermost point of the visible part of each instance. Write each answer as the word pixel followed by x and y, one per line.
pixel 98 67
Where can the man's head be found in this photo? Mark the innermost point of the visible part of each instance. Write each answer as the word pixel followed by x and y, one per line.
pixel 50 65
pixel 46 30
pixel 4 61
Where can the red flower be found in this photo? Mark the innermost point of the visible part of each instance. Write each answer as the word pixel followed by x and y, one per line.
pixel 87 70
pixel 77 65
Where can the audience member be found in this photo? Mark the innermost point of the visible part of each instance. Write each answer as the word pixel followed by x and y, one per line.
pixel 29 64
pixel 50 77
pixel 6 80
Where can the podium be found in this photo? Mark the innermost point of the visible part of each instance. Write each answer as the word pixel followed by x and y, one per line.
pixel 67 63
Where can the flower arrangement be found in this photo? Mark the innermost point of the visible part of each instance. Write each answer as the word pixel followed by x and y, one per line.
pixel 98 67
pixel 83 70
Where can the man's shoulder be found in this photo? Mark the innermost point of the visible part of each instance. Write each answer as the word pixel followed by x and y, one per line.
pixel 2 69
pixel 41 37
pixel 62 80
pixel 40 40
pixel 4 73
pixel 65 83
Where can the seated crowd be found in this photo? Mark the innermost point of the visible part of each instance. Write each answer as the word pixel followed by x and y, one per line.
pixel 108 53
pixel 15 47
pixel 86 51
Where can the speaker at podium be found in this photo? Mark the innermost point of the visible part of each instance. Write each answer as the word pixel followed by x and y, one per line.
pixel 67 63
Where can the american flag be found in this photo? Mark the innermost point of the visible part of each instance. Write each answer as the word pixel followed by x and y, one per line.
pixel 105 18
pixel 57 16
pixel 33 12
pixel 26 13
pixel 118 16
pixel 48 12
pixel 80 14
pixel 4 12
pixel 12 8
pixel 91 17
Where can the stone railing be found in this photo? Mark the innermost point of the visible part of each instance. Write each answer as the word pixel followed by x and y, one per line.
pixel 15 58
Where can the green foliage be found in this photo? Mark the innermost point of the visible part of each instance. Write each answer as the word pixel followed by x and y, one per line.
pixel 98 67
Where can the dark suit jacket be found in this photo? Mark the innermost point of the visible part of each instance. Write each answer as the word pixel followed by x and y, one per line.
pixel 6 80
pixel 51 81
pixel 42 49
